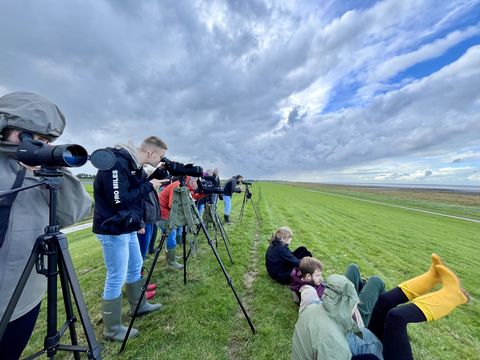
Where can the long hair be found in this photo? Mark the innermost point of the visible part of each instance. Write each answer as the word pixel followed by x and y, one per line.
pixel 282 234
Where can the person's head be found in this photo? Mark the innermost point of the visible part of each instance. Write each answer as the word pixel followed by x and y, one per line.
pixel 192 183
pixel 283 234
pixel 238 178
pixel 25 115
pixel 216 171
pixel 339 300
pixel 151 151
pixel 311 270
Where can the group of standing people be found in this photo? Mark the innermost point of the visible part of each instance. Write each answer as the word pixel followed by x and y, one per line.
pixel 348 317
pixel 127 211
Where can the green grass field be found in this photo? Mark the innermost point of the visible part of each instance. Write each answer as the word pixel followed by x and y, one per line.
pixel 203 321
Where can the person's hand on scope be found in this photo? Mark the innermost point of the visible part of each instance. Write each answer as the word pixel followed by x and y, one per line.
pixel 157 183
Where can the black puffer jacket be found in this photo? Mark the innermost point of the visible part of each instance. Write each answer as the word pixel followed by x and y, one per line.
pixel 231 187
pixel 280 262
pixel 119 195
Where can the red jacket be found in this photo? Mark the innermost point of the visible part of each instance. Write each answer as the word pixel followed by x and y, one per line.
pixel 165 198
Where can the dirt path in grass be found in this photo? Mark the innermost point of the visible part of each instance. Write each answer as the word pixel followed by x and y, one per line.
pixel 237 343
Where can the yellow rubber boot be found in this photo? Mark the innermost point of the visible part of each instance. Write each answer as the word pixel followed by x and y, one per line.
pixel 422 284
pixel 440 303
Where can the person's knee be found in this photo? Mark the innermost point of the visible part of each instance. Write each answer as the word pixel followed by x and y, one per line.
pixel 353 266
pixel 394 317
pixel 383 301
pixel 377 282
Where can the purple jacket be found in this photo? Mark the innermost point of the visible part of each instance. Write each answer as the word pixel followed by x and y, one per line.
pixel 297 283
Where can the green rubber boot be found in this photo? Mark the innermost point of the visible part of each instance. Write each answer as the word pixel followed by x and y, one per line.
pixel 133 293
pixel 171 260
pixel 112 320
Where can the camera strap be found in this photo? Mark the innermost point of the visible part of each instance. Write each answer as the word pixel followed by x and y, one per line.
pixel 6 205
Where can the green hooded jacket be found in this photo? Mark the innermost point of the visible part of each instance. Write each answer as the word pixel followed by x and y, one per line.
pixel 320 332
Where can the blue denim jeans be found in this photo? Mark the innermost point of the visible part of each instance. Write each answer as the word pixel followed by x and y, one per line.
pixel 144 239
pixel 227 201
pixel 122 260
pixel 171 240
pixel 201 208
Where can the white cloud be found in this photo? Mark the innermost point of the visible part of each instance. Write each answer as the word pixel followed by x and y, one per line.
pixel 243 85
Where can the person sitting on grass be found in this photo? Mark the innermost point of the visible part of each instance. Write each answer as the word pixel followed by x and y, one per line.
pixel 306 282
pixel 307 286
pixel 321 329
pixel 279 260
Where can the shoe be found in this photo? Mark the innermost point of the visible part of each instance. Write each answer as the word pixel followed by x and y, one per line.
pixel 149 295
pixel 151 287
pixel 440 303
pixel 227 219
pixel 171 260
pixel 112 320
pixel 133 293
pixel 424 283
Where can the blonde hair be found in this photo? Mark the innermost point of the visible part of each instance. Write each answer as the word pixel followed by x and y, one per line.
pixel 154 141
pixel 308 265
pixel 282 234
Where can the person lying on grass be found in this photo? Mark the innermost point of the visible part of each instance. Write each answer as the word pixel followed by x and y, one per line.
pixel 320 332
pixel 279 259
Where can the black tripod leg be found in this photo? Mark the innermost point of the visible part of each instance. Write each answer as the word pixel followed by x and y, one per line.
pixel 227 277
pixel 94 346
pixel 144 288
pixel 255 210
pixel 243 207
pixel 215 225
pixel 184 245
pixel 19 288
pixel 70 318
pixel 222 229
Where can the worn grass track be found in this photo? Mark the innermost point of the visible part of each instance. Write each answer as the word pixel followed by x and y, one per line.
pixel 202 319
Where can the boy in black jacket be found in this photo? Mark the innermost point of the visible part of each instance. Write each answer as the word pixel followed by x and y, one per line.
pixel 119 194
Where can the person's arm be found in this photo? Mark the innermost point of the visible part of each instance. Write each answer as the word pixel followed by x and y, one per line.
pixel 308 295
pixel 117 186
pixel 236 188
pixel 73 201
pixel 287 257
pixel 170 190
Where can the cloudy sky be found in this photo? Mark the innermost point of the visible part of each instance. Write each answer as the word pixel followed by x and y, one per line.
pixel 332 91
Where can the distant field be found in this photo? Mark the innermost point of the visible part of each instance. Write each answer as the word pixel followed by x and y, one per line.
pixel 457 203
pixel 202 320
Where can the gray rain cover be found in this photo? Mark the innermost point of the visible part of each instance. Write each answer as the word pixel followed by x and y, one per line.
pixel 28 111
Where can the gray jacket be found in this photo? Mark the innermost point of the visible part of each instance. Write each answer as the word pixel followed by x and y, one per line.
pixel 28 218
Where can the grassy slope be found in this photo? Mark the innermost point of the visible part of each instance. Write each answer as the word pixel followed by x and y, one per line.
pixel 457 203
pixel 202 320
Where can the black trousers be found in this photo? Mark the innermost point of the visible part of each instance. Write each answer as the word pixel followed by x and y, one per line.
pixel 17 334
pixel 389 323
pixel 301 252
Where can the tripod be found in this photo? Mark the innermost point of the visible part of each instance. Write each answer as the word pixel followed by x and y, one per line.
pixel 183 213
pixel 54 246
pixel 211 217
pixel 247 196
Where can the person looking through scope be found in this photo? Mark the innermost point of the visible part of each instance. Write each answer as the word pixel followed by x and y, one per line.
pixel 119 195
pixel 175 237
pixel 230 187
pixel 26 116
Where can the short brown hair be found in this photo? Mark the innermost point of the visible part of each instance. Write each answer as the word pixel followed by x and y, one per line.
pixel 308 265
pixel 155 141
